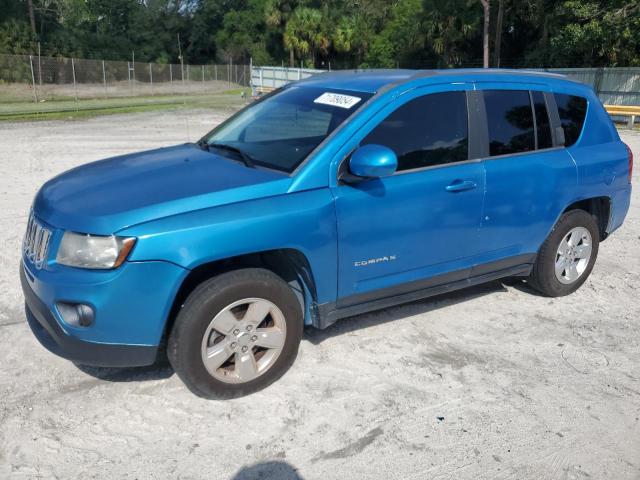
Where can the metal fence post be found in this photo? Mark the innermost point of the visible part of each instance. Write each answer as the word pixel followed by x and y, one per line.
pixel 215 71
pixel 597 84
pixel 75 86
pixel 33 80
pixel 151 77
pixel 39 66
pixel 182 70
pixel 104 79
pixel 203 77
pixel 170 74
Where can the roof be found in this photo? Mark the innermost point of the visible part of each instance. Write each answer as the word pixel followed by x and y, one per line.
pixel 373 80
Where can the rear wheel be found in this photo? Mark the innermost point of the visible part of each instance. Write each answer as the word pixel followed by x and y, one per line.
pixel 567 256
pixel 236 334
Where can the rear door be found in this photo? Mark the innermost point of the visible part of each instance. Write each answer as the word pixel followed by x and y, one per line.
pixel 396 234
pixel 530 177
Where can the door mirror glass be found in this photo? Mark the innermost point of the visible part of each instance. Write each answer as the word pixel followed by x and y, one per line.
pixel 373 161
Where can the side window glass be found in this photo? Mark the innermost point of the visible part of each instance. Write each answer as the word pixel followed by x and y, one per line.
pixel 510 121
pixel 427 131
pixel 542 120
pixel 572 110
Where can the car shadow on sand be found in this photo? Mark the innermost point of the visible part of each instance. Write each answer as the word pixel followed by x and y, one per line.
pixel 390 314
pixel 162 370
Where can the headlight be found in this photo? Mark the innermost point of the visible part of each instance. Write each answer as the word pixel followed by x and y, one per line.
pixel 93 251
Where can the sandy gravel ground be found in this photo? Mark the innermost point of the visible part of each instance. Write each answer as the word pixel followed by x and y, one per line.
pixel 490 382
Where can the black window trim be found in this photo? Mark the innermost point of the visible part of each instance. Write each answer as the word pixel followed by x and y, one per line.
pixel 535 121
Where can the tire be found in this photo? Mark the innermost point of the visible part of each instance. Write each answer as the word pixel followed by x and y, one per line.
pixel 572 227
pixel 240 296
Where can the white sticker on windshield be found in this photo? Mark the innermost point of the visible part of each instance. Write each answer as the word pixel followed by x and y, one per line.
pixel 337 100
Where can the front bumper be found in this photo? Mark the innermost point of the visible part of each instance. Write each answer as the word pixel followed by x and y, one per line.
pixel 49 333
pixel 131 307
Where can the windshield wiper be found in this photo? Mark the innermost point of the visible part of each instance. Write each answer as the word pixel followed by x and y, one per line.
pixel 246 159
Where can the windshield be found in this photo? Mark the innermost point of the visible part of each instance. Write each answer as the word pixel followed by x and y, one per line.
pixel 282 129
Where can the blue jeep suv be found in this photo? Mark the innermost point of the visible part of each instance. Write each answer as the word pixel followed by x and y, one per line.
pixel 340 194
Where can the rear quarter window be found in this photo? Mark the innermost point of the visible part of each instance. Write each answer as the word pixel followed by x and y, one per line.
pixel 572 111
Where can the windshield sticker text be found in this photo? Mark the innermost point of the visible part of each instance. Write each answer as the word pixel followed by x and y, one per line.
pixel 337 100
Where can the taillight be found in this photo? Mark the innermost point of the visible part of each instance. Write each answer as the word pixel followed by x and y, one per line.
pixel 630 154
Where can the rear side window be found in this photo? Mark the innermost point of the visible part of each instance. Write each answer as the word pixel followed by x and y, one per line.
pixel 542 120
pixel 427 131
pixel 572 111
pixel 510 121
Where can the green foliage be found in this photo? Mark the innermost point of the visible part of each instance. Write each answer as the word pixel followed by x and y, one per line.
pixel 15 37
pixel 344 33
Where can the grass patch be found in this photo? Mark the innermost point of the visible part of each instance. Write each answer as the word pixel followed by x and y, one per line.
pixel 66 110
pixel 237 91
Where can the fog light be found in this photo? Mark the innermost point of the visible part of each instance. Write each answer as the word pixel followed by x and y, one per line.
pixel 76 314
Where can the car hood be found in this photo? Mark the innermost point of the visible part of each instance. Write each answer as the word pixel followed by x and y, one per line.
pixel 109 195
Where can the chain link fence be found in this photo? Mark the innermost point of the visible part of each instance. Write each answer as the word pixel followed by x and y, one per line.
pixel 41 80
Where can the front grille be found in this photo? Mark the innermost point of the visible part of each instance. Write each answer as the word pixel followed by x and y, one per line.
pixel 36 242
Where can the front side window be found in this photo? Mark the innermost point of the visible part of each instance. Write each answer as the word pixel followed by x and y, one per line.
pixel 510 121
pixel 282 129
pixel 427 131
pixel 572 110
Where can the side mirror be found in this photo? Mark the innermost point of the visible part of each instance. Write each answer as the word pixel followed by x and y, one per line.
pixel 373 161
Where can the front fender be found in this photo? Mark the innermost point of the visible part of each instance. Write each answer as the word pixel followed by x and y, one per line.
pixel 304 221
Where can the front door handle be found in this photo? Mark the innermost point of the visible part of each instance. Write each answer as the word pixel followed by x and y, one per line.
pixel 461 186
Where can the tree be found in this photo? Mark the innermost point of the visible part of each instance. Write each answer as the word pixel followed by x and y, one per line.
pixel 450 29
pixel 32 17
pixel 485 33
pixel 497 43
pixel 277 14
pixel 305 34
pixel 374 33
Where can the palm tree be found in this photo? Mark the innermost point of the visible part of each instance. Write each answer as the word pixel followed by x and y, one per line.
pixel 305 34
pixel 277 14
pixel 447 27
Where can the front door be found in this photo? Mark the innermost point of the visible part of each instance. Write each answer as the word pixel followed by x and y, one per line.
pixel 420 226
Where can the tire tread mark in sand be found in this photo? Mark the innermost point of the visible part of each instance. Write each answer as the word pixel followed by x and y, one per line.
pixel 353 448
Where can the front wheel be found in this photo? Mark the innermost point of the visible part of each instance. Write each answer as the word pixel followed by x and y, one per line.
pixel 236 334
pixel 567 257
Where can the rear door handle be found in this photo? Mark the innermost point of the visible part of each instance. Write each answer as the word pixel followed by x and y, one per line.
pixel 461 186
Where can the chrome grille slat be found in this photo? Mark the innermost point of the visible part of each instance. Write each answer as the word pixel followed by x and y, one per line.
pixel 36 242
